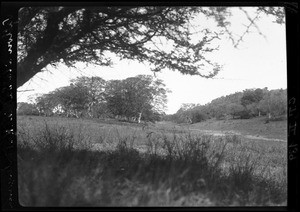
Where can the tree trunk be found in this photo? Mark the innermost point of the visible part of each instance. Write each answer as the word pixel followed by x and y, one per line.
pixel 139 118
pixel 24 74
pixel 29 66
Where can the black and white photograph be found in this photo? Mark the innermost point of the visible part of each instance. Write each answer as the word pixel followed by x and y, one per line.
pixel 151 106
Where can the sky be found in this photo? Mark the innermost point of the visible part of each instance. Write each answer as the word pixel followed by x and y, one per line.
pixel 258 62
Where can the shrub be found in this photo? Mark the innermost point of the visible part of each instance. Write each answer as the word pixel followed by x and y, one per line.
pixel 27 109
pixel 244 114
pixel 198 116
pixel 220 116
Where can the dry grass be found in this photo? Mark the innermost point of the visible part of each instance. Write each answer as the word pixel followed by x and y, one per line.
pixel 70 162
pixel 254 126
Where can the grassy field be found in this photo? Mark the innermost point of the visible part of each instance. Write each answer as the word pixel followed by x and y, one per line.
pixel 80 162
pixel 255 127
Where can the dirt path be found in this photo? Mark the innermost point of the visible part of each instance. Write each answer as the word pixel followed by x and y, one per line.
pixel 222 133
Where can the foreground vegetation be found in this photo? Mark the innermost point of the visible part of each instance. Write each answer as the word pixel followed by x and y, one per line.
pixel 75 162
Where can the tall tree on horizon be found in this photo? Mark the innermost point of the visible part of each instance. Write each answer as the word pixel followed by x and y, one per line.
pixel 136 97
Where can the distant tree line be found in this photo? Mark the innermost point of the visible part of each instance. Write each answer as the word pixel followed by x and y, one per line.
pixel 240 105
pixel 133 99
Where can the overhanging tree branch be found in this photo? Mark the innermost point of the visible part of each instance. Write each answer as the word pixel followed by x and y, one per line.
pixel 47 35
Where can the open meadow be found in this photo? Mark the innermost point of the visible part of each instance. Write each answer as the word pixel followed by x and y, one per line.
pixel 93 162
pixel 148 105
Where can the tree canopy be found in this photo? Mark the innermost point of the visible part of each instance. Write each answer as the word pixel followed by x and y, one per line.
pixel 53 35
pixel 140 98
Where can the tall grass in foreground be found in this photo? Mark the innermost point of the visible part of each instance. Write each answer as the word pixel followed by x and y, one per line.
pixel 57 167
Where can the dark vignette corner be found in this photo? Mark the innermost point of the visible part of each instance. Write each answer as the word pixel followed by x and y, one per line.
pixel 8 149
pixel 9 191
pixel 292 43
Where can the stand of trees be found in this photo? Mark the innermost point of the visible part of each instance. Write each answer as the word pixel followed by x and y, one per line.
pixel 139 97
pixel 163 37
pixel 241 105
pixel 133 99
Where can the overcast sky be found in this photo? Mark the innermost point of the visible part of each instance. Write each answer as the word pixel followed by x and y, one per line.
pixel 260 61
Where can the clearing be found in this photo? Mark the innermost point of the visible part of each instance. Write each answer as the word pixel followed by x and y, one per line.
pixel 253 129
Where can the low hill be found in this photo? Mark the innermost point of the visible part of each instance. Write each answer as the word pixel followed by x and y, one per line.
pixel 240 105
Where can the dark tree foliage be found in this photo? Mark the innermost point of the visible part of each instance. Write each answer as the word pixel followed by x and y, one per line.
pixel 141 97
pixel 95 95
pixel 25 108
pixel 251 96
pixel 198 116
pixel 53 35
pixel 46 103
pixel 69 100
